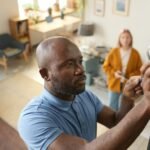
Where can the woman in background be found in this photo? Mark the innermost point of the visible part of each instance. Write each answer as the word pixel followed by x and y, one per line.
pixel 120 64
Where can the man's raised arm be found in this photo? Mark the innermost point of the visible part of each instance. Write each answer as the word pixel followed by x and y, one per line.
pixel 120 136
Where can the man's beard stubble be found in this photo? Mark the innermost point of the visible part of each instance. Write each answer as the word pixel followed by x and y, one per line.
pixel 65 89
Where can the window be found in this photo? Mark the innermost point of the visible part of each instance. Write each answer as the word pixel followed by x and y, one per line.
pixel 42 5
pixel 37 10
pixel 45 4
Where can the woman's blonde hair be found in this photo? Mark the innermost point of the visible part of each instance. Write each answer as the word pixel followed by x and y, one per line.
pixel 125 31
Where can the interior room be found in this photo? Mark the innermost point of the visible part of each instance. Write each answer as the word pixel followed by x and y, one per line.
pixel 93 25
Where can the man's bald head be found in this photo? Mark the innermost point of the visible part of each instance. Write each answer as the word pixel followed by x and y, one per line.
pixel 60 65
pixel 50 47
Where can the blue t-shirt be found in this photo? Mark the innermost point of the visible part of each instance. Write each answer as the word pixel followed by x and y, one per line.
pixel 46 117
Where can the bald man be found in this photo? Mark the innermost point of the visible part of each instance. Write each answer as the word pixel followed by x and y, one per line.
pixel 64 116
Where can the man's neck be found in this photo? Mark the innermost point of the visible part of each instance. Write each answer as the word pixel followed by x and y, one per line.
pixel 65 97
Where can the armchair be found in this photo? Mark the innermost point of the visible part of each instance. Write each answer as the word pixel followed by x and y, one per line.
pixel 10 47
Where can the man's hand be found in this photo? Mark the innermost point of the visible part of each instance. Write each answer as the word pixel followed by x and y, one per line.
pixel 145 70
pixel 133 88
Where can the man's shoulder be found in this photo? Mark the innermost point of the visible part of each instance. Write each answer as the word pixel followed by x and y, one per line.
pixel 38 110
pixel 31 107
pixel 36 105
pixel 38 116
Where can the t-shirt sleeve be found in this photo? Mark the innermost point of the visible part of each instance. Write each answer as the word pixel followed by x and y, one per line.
pixel 38 131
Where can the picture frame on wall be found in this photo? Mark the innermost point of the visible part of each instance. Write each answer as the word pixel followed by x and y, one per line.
pixel 99 7
pixel 121 7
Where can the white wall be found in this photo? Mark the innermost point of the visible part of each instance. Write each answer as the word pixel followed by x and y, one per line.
pixel 8 8
pixel 108 26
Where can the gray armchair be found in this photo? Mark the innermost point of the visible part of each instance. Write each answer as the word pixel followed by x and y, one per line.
pixel 10 47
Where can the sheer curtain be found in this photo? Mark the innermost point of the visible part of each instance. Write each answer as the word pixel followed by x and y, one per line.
pixel 44 5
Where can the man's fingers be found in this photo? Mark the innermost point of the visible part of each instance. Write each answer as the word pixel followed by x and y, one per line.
pixel 132 87
pixel 146 85
pixel 133 81
pixel 138 88
pixel 135 78
pixel 146 80
pixel 147 73
pixel 144 67
pixel 139 92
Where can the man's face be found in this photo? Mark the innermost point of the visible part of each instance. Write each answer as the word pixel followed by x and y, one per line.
pixel 67 74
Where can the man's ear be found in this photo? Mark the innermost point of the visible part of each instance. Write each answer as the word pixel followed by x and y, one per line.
pixel 45 74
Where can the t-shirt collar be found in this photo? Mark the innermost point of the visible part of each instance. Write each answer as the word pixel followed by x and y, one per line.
pixel 55 101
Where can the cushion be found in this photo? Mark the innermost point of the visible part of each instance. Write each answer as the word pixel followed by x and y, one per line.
pixel 9 52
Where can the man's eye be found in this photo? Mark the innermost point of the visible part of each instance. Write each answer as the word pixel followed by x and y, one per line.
pixel 70 64
pixel 81 61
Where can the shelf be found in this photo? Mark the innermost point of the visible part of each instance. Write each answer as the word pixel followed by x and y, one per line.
pixel 19 29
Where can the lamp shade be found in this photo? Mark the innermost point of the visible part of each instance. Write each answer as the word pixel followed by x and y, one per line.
pixel 86 29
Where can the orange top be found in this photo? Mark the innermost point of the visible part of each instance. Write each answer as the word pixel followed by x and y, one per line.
pixel 113 63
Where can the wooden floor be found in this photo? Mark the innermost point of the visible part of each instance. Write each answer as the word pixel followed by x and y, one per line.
pixel 9 138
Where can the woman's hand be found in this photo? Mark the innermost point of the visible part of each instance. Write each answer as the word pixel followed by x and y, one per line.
pixel 118 74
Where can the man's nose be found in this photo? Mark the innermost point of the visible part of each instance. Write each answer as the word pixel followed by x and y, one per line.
pixel 79 69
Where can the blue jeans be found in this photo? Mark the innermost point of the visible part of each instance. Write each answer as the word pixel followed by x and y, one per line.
pixel 114 100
